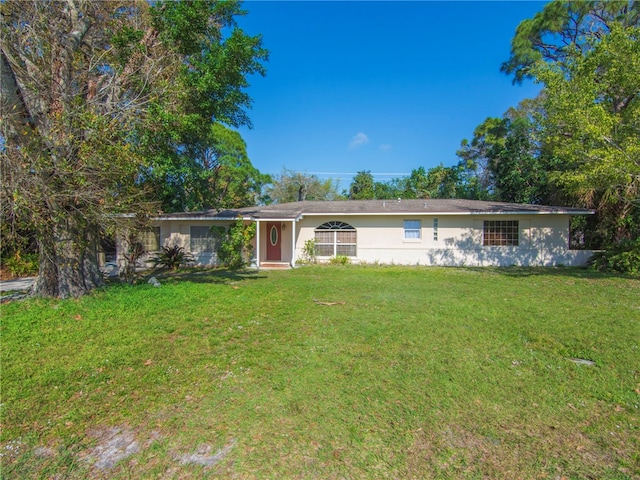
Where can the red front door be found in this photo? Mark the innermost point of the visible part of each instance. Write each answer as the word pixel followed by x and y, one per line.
pixel 273 241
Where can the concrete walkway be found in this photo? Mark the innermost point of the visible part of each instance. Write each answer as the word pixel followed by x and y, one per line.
pixel 17 284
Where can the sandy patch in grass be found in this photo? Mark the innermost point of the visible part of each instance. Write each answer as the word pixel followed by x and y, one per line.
pixel 119 443
pixel 114 444
pixel 204 457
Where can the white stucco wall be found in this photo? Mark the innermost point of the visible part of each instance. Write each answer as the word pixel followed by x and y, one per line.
pixel 543 240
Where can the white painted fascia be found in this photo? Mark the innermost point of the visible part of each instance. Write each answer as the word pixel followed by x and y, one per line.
pixel 362 214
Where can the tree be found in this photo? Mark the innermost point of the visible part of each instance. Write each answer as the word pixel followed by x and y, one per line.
pixel 362 186
pixel 476 157
pixel 439 182
pixel 510 158
pixel 93 96
pixel 197 163
pixel 215 172
pixel 592 123
pixel 293 186
pixel 563 30
pixel 518 170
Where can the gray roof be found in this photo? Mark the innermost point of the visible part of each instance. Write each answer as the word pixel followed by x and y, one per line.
pixel 294 210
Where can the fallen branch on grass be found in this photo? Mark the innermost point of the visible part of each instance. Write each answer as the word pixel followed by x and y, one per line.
pixel 318 302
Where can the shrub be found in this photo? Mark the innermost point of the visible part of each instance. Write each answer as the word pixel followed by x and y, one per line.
pixel 340 260
pixel 309 252
pixel 623 258
pixel 235 246
pixel 172 258
pixel 24 265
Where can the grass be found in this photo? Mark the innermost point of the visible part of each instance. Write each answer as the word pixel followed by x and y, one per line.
pixel 420 373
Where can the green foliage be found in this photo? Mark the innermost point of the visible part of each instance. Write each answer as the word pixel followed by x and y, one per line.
pixel 362 186
pixel 236 247
pixel 172 257
pixel 293 186
pixel 309 252
pixel 437 182
pixel 21 265
pixel 211 171
pixel 591 123
pixel 339 260
pixel 564 29
pixel 195 162
pixel 218 56
pixel 623 257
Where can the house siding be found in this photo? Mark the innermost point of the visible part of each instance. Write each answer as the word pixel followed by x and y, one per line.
pixel 543 232
pixel 543 240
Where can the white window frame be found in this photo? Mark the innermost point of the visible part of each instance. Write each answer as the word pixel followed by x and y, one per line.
pixel 412 227
pixel 435 229
pixel 335 227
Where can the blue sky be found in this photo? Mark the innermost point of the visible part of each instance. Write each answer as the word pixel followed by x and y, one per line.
pixel 380 86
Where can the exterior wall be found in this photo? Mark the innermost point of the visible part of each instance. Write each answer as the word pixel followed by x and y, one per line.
pixel 178 232
pixel 543 240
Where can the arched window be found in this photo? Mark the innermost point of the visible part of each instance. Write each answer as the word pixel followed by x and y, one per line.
pixel 335 238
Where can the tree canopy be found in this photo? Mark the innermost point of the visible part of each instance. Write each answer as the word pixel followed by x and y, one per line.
pixel 592 123
pixel 98 98
pixel 564 29
pixel 291 186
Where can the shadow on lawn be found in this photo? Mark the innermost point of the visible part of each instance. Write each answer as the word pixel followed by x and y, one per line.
pixel 206 276
pixel 570 272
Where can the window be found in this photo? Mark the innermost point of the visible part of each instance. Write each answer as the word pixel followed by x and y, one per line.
pixel 412 229
pixel 336 238
pixel 435 229
pixel 501 233
pixel 151 240
pixel 203 240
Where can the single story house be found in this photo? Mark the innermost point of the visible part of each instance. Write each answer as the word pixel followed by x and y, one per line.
pixel 410 232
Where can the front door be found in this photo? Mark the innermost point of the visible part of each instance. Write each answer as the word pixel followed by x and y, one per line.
pixel 273 241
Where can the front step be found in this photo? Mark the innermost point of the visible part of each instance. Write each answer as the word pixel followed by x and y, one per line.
pixel 275 265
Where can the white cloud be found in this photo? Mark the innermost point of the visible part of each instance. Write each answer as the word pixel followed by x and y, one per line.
pixel 385 147
pixel 358 140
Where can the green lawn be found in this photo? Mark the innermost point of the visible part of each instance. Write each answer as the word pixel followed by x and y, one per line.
pixel 328 372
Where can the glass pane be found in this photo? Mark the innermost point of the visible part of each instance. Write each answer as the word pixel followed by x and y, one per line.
pixel 501 233
pixel 412 224
pixel 324 250
pixel 202 240
pixel 346 237
pixel 324 237
pixel 151 240
pixel 274 235
pixel 348 250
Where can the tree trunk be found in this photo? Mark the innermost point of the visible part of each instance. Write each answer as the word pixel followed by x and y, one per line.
pixel 68 262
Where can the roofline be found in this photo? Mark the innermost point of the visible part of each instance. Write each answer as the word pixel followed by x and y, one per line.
pixel 367 214
pixel 523 212
pixel 210 218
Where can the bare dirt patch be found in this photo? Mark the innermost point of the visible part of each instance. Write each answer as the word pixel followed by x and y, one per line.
pixel 114 444
pixel 204 457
